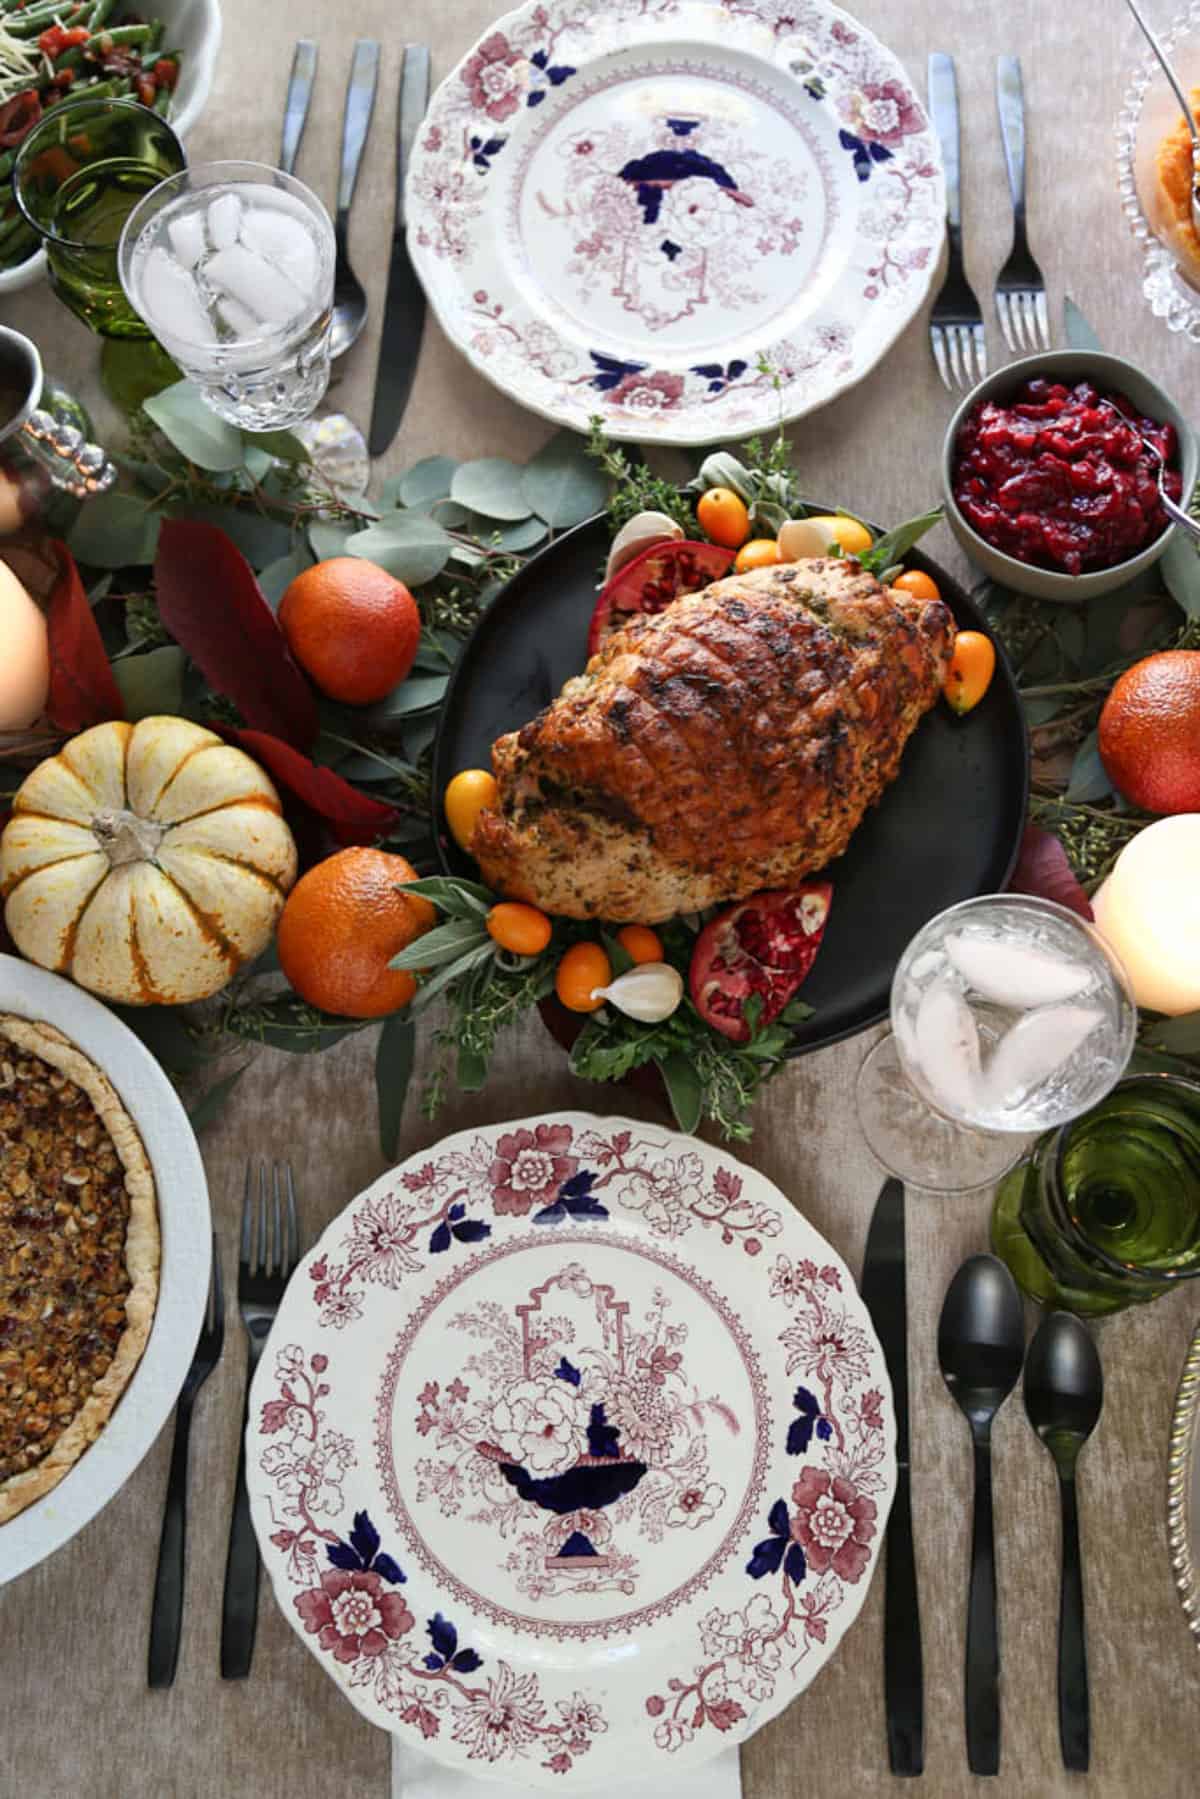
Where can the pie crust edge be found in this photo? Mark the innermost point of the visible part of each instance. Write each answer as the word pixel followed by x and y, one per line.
pixel 142 1260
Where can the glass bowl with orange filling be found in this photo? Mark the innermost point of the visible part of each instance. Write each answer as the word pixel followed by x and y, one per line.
pixel 1154 168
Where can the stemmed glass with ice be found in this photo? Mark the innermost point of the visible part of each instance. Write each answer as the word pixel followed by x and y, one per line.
pixel 231 266
pixel 1010 1016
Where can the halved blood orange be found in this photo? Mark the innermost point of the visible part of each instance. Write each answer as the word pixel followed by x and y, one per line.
pixel 652 580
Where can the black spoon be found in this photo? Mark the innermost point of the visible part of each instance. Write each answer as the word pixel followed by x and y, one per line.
pixel 981 1341
pixel 1064 1395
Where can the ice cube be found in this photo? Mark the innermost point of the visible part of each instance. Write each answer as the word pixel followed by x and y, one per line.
pixel 187 238
pixel 1037 1046
pixel 240 320
pixel 252 281
pixel 284 241
pixel 224 221
pixel 170 296
pixel 929 962
pixel 1015 974
pixel 948 1047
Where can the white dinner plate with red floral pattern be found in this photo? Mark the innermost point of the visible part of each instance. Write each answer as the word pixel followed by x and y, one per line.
pixel 688 217
pixel 571 1451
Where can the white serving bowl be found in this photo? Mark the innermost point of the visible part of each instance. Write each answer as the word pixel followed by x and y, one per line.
pixel 193 27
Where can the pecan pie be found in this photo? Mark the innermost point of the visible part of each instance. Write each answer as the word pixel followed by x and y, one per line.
pixel 79 1256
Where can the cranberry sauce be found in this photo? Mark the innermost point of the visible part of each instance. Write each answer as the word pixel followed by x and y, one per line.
pixel 1055 478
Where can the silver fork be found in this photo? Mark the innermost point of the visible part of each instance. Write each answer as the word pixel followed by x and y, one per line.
pixel 1020 289
pixel 956 333
pixel 268 1256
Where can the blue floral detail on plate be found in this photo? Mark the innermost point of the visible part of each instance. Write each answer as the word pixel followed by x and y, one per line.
pixel 720 376
pixel 800 1430
pixel 586 1489
pixel 568 1371
pixel 456 1227
pixel 683 127
pixel 446 1652
pixel 778 1549
pixel 575 1200
pixel 651 175
pixel 602 1437
pixel 551 74
pixel 362 1555
pixel 865 155
pixel 611 371
pixel 483 149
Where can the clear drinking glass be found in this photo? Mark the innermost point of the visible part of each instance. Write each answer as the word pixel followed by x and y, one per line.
pixel 1010 1015
pixel 231 265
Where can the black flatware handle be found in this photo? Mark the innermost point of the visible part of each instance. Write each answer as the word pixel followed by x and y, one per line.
pixel 1073 1713
pixel 239 1608
pixel 903 1678
pixel 166 1614
pixel 983 1647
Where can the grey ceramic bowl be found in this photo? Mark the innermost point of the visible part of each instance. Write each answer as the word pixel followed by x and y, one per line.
pixel 1110 374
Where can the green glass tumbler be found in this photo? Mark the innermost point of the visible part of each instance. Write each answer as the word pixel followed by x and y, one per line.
pixel 79 174
pixel 1105 1212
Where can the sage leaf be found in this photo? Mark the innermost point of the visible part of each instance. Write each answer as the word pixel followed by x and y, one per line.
pixel 194 429
pixel 152 683
pixel 492 485
pixel 454 897
pixel 429 479
pixel 114 530
pixel 1078 332
pixel 212 1102
pixel 289 1023
pixel 684 1090
pixel 1088 781
pixel 445 943
pixel 472 1070
pixel 408 545
pixel 277 576
pixel 394 1056
pixel 895 544
pixel 562 484
pixel 445 977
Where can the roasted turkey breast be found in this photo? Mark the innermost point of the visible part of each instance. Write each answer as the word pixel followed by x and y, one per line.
pixel 728 743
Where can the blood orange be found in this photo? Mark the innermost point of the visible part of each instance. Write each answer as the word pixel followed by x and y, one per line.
pixel 1150 732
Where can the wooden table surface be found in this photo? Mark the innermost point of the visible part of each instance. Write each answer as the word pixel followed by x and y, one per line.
pixel 78 1717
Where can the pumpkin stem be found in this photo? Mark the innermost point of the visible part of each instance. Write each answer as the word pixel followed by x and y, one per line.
pixel 124 837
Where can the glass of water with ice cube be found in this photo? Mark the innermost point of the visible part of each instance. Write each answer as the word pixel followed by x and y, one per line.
pixel 1010 1016
pixel 231 266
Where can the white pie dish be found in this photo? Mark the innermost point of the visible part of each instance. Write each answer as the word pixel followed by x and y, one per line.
pixel 193 27
pixel 182 1190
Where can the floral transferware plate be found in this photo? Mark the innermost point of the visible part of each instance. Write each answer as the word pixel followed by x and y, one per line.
pixel 688 217
pixel 572 1448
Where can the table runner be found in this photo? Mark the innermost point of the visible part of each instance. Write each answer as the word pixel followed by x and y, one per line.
pixel 75 1629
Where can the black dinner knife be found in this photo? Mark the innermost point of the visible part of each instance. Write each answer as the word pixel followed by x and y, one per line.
pixel 404 308
pixel 884 1292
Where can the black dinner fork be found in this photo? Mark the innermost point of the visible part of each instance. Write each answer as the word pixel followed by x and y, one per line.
pixel 265 1264
pixel 166 1615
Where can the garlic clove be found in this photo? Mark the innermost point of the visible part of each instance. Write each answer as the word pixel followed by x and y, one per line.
pixel 650 992
pixel 803 537
pixel 639 533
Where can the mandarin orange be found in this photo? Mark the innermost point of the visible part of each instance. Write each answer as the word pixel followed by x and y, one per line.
pixel 342 923
pixel 352 627
pixel 1150 732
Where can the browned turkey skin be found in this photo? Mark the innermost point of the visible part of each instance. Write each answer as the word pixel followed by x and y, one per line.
pixel 732 742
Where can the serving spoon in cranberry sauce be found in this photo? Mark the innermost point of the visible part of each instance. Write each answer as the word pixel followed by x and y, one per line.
pixel 1174 511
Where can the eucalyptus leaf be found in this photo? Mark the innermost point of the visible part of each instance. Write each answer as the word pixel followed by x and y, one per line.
pixel 260 539
pixel 418 694
pixel 445 943
pixel 455 897
pixel 429 479
pixel 445 977
pixel 562 484
pixel 522 536
pixel 277 576
pixel 328 538
pixel 1088 781
pixel 114 530
pixel 100 589
pixel 1178 1035
pixel 284 446
pixel 394 1056
pixel 684 1090
pixel 437 652
pixel 213 1101
pixel 1180 570
pixel 467 555
pixel 418 736
pixel 492 485
pixel 152 683
pixel 194 429
pixel 258 462
pixel 411 547
pixel 150 475
pixel 1041 711
pixel 1078 332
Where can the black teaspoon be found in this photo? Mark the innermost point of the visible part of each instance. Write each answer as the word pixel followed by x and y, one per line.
pixel 981 1341
pixel 1064 1395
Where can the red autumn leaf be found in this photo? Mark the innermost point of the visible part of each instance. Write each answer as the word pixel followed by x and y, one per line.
pixel 1043 870
pixel 82 689
pixel 214 608
pixel 353 817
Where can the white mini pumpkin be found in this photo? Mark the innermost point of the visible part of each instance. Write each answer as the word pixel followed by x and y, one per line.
pixel 148 862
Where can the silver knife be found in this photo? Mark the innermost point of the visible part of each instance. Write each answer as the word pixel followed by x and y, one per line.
pixel 404 308
pixel 885 1295
pixel 299 94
